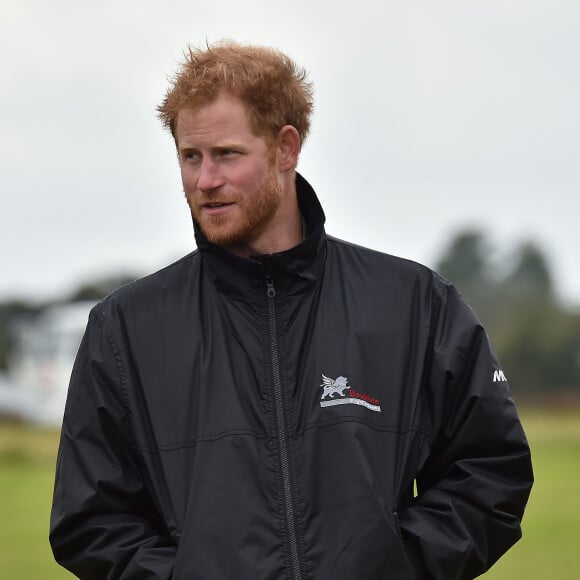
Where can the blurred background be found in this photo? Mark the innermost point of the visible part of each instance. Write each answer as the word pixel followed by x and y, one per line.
pixel 445 132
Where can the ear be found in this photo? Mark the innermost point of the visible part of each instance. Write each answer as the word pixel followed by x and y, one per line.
pixel 288 146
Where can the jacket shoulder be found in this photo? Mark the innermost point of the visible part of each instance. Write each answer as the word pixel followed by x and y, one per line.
pixel 379 264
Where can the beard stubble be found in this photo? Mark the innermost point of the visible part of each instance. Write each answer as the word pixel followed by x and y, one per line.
pixel 254 213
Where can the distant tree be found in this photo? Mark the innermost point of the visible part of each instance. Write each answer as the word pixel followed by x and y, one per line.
pixel 99 288
pixel 467 264
pixel 536 336
pixel 466 261
pixel 530 276
pixel 540 349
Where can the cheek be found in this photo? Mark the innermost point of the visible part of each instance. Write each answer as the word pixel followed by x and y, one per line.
pixel 188 179
pixel 249 176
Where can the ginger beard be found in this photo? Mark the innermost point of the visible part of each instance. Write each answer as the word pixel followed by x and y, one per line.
pixel 247 220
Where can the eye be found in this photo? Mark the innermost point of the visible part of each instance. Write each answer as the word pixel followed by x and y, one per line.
pixel 189 155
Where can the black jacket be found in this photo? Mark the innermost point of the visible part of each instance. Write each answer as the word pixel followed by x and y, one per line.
pixel 267 419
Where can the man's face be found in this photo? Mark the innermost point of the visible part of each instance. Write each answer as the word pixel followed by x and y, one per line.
pixel 229 175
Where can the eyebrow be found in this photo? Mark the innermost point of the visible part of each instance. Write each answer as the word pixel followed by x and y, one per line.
pixel 221 147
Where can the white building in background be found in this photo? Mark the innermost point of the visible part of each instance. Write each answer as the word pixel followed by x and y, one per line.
pixel 42 362
pixel 14 402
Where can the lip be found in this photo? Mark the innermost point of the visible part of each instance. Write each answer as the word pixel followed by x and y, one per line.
pixel 211 209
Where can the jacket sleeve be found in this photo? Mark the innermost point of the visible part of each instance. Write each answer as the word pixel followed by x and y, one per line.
pixel 103 524
pixel 477 476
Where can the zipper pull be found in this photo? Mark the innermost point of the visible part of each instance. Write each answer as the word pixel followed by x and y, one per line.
pixel 270 285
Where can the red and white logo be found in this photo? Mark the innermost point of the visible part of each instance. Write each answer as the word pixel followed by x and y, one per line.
pixel 339 392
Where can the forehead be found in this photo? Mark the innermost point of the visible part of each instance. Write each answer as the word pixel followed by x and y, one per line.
pixel 224 117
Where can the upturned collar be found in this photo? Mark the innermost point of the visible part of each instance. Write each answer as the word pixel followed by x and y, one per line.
pixel 293 271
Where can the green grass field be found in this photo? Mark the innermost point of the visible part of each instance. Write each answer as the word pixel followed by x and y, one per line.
pixel 547 551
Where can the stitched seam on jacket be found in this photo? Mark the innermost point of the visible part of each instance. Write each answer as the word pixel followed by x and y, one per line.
pixel 207 438
pixel 234 432
pixel 353 419
pixel 120 369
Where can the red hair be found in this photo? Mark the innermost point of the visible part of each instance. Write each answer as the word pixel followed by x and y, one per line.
pixel 272 88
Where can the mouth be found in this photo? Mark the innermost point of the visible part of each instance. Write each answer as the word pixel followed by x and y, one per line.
pixel 216 207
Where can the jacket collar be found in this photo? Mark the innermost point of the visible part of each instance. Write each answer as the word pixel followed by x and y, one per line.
pixel 293 271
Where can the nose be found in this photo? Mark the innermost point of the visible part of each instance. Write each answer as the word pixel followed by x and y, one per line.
pixel 209 177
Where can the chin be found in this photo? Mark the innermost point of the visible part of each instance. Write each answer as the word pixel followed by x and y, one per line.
pixel 224 236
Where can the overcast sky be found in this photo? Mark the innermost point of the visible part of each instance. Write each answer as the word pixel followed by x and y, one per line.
pixel 431 116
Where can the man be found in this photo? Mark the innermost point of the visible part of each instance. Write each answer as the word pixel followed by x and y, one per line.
pixel 280 404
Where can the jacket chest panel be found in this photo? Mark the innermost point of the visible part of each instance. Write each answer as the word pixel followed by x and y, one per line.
pixel 356 363
pixel 203 378
pixel 208 374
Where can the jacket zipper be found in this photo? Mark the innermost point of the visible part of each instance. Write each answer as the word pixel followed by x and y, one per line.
pixel 397 524
pixel 281 425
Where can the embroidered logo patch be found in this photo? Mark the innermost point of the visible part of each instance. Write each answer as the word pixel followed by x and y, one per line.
pixel 339 392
